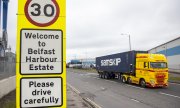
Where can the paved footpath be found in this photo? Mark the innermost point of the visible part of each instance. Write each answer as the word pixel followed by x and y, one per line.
pixel 73 100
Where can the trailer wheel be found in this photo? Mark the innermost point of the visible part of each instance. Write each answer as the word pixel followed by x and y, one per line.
pixel 100 75
pixel 129 81
pixel 103 76
pixel 106 76
pixel 113 76
pixel 123 79
pixel 142 83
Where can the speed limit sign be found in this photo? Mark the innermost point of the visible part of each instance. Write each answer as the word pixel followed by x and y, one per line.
pixel 42 13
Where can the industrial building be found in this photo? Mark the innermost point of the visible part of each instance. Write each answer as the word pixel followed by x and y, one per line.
pixel 82 63
pixel 171 50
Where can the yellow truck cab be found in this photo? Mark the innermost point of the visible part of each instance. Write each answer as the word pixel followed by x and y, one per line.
pixel 151 71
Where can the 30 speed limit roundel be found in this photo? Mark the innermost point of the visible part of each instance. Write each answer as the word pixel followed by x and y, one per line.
pixel 42 12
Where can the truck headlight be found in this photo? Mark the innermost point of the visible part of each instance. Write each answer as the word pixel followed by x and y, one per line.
pixel 152 82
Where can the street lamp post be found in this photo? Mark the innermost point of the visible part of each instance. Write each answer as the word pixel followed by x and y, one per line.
pixel 129 40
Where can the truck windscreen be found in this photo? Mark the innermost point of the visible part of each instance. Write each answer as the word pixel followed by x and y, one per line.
pixel 158 65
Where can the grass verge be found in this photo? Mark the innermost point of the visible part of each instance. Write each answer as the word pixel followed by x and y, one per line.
pixel 84 70
pixel 8 101
pixel 175 78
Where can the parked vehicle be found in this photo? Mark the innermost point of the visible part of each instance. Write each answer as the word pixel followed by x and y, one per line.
pixel 136 67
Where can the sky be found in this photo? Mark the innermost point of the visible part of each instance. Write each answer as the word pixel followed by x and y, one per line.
pixel 95 27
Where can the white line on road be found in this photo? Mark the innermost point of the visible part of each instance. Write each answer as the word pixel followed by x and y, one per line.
pixel 96 77
pixel 174 83
pixel 75 90
pixel 96 105
pixel 92 74
pixel 169 95
pixel 135 100
pixel 111 81
pixel 135 87
pixel 102 88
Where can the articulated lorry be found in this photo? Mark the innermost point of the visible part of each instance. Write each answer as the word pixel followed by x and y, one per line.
pixel 137 67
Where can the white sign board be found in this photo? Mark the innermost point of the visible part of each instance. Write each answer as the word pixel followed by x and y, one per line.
pixel 41 51
pixel 40 92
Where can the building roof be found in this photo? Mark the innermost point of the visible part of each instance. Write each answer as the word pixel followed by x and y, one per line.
pixel 165 43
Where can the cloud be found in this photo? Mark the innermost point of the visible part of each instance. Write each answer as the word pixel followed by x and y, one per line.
pixel 95 26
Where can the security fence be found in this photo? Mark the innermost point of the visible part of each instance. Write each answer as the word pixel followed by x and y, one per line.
pixel 7 66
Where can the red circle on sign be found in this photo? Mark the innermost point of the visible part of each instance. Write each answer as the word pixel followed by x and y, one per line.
pixel 41 24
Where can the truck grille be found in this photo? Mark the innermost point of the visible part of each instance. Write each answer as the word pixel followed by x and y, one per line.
pixel 160 78
pixel 160 81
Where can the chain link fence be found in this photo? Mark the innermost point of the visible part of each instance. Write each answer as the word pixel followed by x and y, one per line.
pixel 7 66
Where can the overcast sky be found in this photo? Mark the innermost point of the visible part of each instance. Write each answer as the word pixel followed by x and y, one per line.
pixel 94 27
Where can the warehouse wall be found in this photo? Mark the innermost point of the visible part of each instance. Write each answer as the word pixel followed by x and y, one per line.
pixel 171 50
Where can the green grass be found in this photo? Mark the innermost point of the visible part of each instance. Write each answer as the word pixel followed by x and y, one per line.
pixel 8 101
pixel 84 70
pixel 10 104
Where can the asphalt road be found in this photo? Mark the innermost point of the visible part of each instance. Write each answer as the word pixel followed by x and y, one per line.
pixel 114 94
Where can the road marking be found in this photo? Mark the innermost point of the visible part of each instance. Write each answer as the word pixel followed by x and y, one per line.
pixel 96 105
pixel 169 95
pixel 81 74
pixel 135 100
pixel 111 81
pixel 135 87
pixel 174 83
pixel 91 73
pixel 96 77
pixel 102 88
pixel 74 89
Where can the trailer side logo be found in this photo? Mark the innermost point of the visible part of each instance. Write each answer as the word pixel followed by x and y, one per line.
pixel 111 62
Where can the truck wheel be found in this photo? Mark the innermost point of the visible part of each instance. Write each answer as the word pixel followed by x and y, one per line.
pixel 113 76
pixel 142 83
pixel 103 76
pixel 129 80
pixel 123 79
pixel 100 75
pixel 106 76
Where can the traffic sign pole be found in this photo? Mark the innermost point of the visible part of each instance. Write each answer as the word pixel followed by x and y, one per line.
pixel 40 54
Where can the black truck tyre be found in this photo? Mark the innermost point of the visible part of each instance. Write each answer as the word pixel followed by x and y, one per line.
pixel 123 79
pixel 107 75
pixel 100 75
pixel 103 75
pixel 142 83
pixel 129 81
